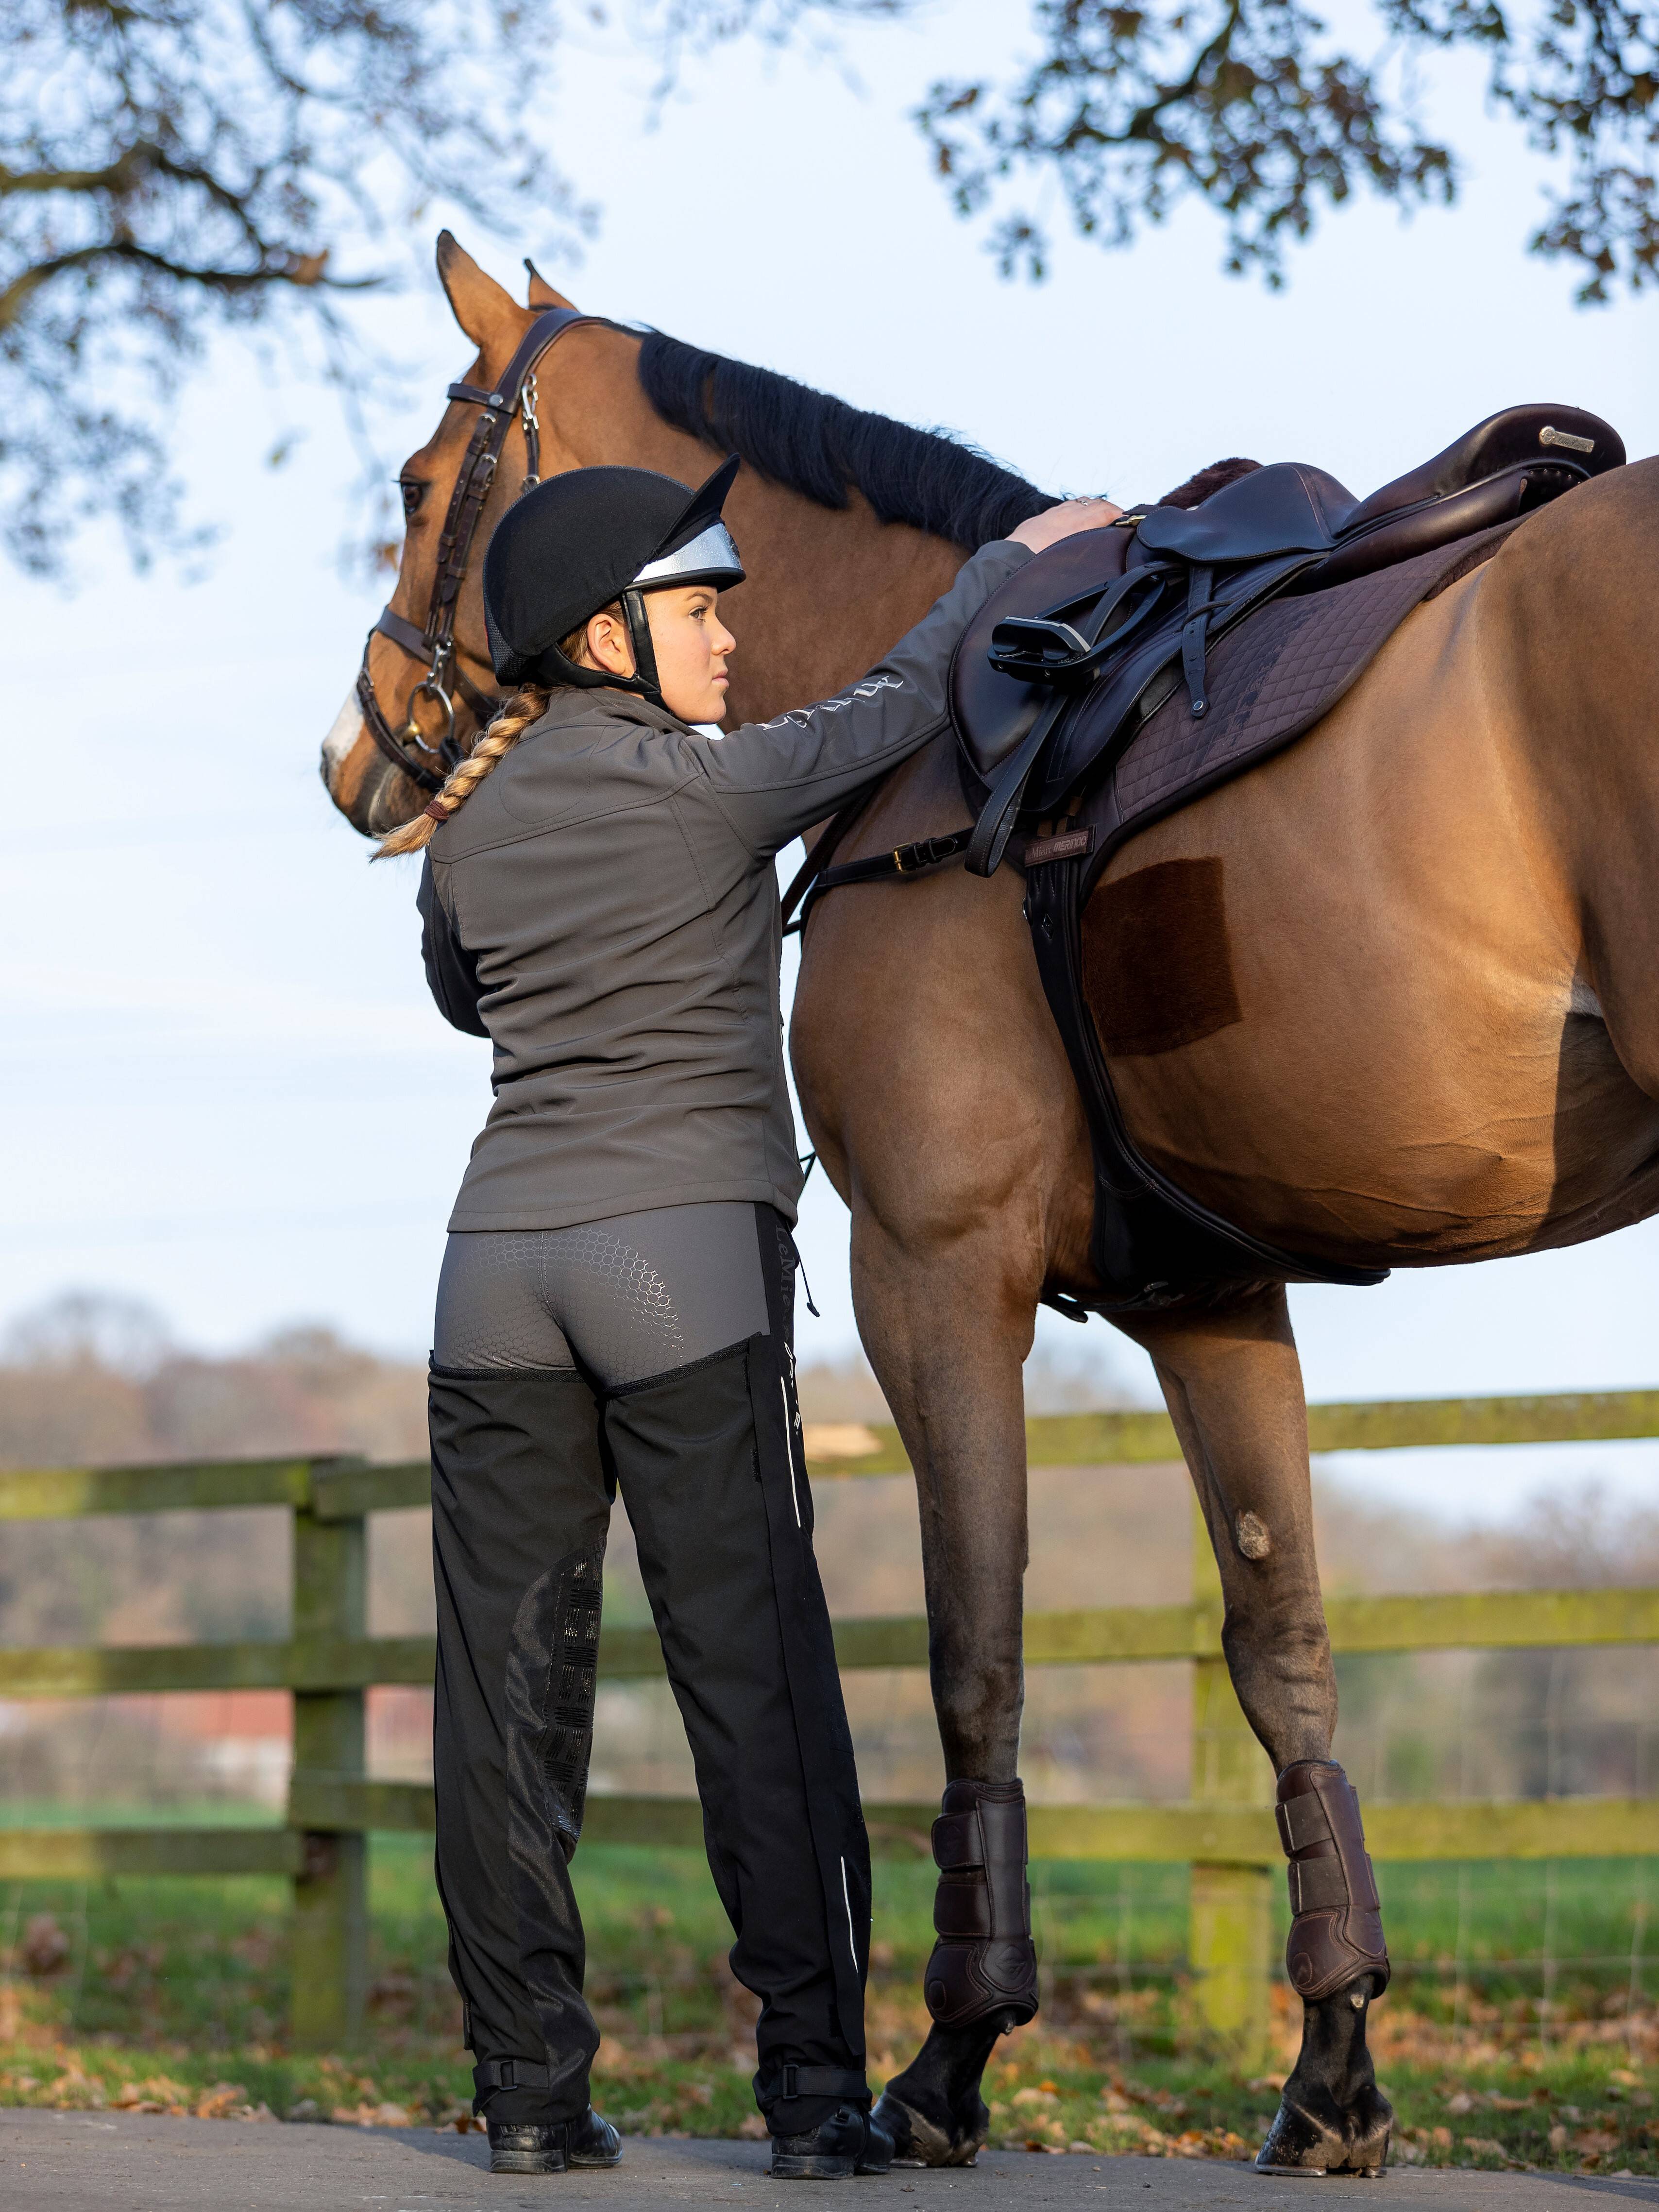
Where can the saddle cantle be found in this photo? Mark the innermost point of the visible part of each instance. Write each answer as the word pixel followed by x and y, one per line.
pixel 1126 670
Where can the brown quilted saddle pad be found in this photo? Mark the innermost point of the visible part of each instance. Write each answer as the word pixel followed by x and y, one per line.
pixel 1270 682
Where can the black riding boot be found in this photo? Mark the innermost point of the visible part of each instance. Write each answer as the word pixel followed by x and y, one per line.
pixel 521 1512
pixel 710 1465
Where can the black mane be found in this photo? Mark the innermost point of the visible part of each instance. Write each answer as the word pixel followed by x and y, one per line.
pixel 823 448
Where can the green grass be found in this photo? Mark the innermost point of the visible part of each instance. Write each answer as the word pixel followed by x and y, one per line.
pixel 175 1991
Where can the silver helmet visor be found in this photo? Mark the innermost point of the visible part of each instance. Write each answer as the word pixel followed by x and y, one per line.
pixel 711 557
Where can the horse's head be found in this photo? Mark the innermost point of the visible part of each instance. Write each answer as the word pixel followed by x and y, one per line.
pixel 426 686
pixel 850 524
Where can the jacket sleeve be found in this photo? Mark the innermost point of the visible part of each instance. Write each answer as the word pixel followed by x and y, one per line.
pixel 452 972
pixel 774 780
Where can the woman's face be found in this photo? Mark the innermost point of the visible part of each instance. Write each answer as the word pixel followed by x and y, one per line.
pixel 691 643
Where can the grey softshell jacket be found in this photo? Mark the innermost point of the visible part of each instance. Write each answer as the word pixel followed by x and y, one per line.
pixel 604 908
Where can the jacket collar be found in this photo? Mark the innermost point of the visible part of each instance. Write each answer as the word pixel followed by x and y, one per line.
pixel 572 709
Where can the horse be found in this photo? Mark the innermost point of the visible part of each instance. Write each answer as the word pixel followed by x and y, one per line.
pixel 1439 922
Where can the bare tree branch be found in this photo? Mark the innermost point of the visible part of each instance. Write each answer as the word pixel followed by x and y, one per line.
pixel 170 169
pixel 1248 106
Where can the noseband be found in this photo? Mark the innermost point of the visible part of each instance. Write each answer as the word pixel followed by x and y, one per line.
pixel 515 393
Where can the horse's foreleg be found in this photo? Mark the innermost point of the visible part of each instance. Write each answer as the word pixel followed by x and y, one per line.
pixel 947 1332
pixel 1233 1385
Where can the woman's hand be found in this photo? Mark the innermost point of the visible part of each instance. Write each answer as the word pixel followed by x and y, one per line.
pixel 1063 521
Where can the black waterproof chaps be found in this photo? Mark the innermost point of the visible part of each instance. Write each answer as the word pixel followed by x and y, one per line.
pixel 525 1464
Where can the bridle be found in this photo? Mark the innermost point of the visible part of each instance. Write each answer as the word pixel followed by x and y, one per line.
pixel 514 394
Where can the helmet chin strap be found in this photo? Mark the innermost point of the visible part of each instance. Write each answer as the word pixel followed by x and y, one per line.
pixel 639 634
pixel 558 670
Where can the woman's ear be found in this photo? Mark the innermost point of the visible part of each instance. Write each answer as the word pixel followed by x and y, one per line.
pixel 609 646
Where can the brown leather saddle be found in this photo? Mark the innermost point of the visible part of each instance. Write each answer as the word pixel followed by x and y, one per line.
pixel 1127 671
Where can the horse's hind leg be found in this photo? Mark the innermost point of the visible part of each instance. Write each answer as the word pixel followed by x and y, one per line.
pixel 947 1329
pixel 1233 1386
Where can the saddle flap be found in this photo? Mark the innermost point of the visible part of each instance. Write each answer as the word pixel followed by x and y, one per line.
pixel 1288 507
pixel 993 714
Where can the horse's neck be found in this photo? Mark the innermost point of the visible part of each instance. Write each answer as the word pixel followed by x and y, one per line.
pixel 831 592
pixel 831 589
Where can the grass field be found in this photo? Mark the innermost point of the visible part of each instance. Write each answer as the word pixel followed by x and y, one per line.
pixel 1518 2028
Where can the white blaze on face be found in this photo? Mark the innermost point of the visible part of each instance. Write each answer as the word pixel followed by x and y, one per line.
pixel 348 730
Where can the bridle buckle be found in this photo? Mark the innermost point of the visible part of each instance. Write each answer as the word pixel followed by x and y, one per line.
pixel 430 687
pixel 516 395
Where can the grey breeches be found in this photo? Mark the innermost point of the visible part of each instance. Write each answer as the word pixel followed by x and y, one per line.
pixel 640 1294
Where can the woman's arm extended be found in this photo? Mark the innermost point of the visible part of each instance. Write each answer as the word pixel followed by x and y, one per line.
pixel 773 779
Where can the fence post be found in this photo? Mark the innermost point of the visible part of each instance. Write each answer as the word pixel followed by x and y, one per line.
pixel 329 1935
pixel 1230 1917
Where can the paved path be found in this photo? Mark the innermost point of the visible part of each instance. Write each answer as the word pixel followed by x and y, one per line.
pixel 102 2162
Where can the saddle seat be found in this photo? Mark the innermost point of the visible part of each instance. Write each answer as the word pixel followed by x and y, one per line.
pixel 1524 455
pixel 1284 530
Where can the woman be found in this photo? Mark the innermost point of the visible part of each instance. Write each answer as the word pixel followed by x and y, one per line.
pixel 614 1307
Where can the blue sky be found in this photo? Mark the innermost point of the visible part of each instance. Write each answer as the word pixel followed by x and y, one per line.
pixel 226 1091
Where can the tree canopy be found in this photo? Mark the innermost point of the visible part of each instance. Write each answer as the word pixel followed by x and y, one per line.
pixel 1251 106
pixel 169 168
pixel 172 168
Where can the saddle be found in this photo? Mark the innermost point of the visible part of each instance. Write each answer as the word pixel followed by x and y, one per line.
pixel 1127 671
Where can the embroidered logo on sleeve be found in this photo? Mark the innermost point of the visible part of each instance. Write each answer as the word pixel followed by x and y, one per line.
pixel 839 706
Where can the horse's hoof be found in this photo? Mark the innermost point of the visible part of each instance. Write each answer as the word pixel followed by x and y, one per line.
pixel 1302 2142
pixel 918 2140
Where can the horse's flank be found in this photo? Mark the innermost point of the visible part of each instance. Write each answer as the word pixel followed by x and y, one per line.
pixel 1416 920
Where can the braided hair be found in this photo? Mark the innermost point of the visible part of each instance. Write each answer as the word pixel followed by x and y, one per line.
pixel 526 706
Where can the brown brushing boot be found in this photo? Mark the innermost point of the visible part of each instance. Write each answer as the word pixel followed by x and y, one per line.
pixel 1332 2118
pixel 980 1981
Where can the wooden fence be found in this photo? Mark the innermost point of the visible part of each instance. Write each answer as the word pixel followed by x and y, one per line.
pixel 1225 1832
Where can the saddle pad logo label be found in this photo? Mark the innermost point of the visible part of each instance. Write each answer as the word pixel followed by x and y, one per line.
pixel 1071 846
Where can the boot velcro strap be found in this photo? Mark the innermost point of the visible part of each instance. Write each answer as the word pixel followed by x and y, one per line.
pixel 1302 1821
pixel 510 2074
pixel 958 1841
pixel 812 2082
pixel 1316 1884
pixel 962 1907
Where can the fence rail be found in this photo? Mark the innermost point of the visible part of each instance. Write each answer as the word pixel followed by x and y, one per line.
pixel 1226 1832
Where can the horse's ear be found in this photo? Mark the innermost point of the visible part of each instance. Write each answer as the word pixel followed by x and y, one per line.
pixel 542 294
pixel 491 318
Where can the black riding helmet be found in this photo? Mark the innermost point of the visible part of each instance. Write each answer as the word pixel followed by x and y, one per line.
pixel 582 540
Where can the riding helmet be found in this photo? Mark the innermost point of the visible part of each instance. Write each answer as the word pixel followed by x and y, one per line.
pixel 580 542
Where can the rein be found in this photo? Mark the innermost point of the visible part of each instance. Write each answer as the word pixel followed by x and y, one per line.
pixel 514 394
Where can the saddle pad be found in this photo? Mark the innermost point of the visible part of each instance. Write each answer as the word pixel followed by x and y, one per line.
pixel 1270 681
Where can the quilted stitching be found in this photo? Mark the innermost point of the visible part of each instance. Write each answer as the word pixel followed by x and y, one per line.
pixel 1282 671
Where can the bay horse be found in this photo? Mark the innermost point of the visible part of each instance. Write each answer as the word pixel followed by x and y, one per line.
pixel 1440 928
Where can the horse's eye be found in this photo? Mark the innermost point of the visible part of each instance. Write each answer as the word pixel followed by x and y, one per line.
pixel 414 492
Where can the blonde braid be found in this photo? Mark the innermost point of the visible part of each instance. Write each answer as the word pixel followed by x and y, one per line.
pixel 527 705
